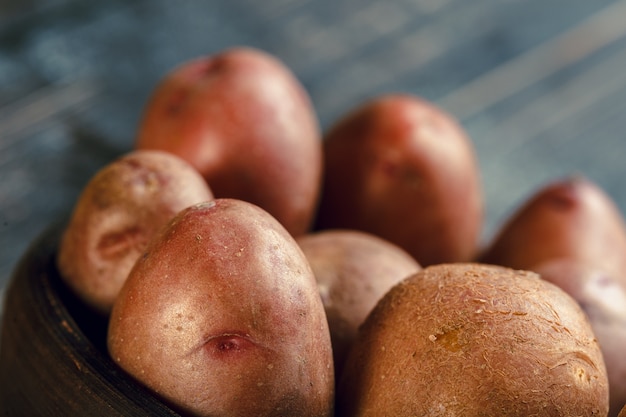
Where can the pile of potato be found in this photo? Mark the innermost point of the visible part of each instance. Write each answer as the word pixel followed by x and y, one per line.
pixel 251 265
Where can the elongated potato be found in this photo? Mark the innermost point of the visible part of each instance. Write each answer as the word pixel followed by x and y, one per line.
pixel 571 232
pixel 400 168
pixel 117 213
pixel 222 317
pixel 474 340
pixel 243 120
pixel 353 270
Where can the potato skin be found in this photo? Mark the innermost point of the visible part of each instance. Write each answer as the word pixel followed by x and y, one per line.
pixel 353 270
pixel 245 122
pixel 403 169
pixel 221 317
pixel 573 235
pixel 122 206
pixel 603 299
pixel 474 340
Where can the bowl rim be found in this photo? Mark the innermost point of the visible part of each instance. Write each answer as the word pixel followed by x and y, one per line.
pixel 70 327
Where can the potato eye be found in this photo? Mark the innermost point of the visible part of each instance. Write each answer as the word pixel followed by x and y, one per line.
pixel 117 243
pixel 228 344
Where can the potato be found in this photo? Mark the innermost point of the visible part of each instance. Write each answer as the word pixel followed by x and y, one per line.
pixel 222 317
pixel 572 234
pixel 567 218
pixel 353 270
pixel 401 168
pixel 246 123
pixel 474 340
pixel 603 299
pixel 119 210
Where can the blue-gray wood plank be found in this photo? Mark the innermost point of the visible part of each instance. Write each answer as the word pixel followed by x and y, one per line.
pixel 539 85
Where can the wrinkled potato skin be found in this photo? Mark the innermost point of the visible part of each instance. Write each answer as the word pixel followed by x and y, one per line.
pixel 400 168
pixel 474 340
pixel 353 270
pixel 603 299
pixel 246 123
pixel 569 218
pixel 118 211
pixel 221 317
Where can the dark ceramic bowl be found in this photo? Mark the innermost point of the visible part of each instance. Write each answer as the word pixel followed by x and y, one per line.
pixel 53 360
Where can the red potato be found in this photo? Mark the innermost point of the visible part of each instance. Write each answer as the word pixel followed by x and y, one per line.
pixel 474 340
pixel 400 168
pixel 571 232
pixel 353 270
pixel 569 218
pixel 246 123
pixel 221 317
pixel 117 213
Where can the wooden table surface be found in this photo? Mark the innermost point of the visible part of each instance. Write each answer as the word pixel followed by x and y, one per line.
pixel 540 85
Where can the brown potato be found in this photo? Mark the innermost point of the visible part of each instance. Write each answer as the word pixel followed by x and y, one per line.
pixel 353 270
pixel 474 340
pixel 117 213
pixel 221 317
pixel 246 123
pixel 571 232
pixel 400 168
